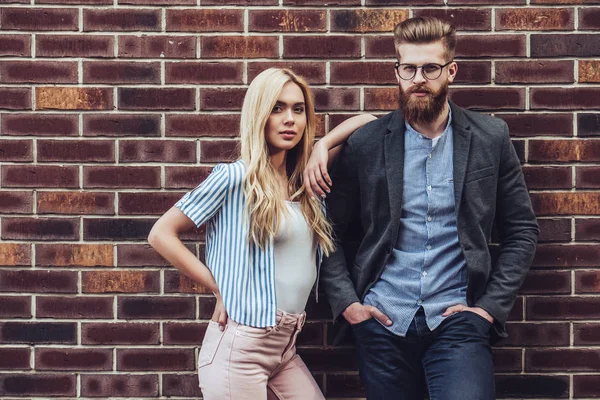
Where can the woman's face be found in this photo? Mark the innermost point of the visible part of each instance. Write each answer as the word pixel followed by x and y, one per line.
pixel 287 121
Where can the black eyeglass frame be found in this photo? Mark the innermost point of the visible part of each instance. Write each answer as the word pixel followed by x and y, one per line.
pixel 398 65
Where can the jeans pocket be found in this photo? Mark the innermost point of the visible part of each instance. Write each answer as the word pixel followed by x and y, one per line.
pixel 253 332
pixel 210 344
pixel 362 323
pixel 482 321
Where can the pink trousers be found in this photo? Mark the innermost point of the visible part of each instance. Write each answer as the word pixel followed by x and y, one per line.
pixel 247 363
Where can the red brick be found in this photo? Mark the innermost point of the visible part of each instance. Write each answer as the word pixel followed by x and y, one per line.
pixel 564 45
pixel 110 386
pixel 587 282
pixel 73 98
pixel 73 359
pixel 315 2
pixel 141 255
pixel 33 124
pixel 463 19
pixel 588 177
pixel 555 230
pixel 147 203
pixel 157 46
pixel 173 151
pixel 240 2
pixel 15 307
pixel 574 360
pixel 122 19
pixel 587 229
pixel 15 45
pixel 79 151
pixel 547 282
pixel 321 47
pixel 178 283
pixel 588 124
pixel 38 281
pixel 204 72
pixel 83 2
pixel 184 333
pixel 578 2
pixel 313 71
pixel 157 99
pixel 221 99
pixel 205 20
pixel 528 334
pixel 539 71
pixel 97 333
pixel 531 386
pixel 563 256
pixel 40 228
pixel 15 254
pixel 14 358
pixel 121 72
pixel 381 98
pixel 154 307
pixel 47 176
pixel 377 73
pixel 181 384
pixel 507 360
pixel 94 203
pixel 185 177
pixel 138 125
pixel 585 334
pixel 379 46
pixel 219 150
pixel 121 177
pixel 287 21
pixel 547 177
pixel 16 150
pixel 155 359
pixel 563 308
pixel 533 19
pixel 516 314
pixel 74 255
pixel 74 46
pixel 489 98
pixel 589 18
pixel 16 202
pixel 74 307
pixel 336 99
pixel 159 2
pixel 202 125
pixel 586 386
pixel 239 47
pixel 474 72
pixel 366 20
pixel 39 384
pixel 565 98
pixel 566 203
pixel 539 124
pixel 589 71
pixel 15 98
pixel 125 229
pixel 120 281
pixel 564 150
pixel 38 332
pixel 477 46
pixel 38 72
pixel 40 19
pixel 485 2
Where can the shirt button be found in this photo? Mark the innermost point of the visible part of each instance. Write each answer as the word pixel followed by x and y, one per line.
pixel 429 218
pixel 429 188
pixel 428 247
pixel 429 155
pixel 424 273
pixel 419 302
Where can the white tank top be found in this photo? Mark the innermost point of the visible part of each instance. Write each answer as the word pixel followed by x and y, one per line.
pixel 294 253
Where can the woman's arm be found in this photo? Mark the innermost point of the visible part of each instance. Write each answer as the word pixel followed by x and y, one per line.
pixel 325 151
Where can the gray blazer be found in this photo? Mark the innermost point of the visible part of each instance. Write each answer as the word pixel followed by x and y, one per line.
pixel 366 203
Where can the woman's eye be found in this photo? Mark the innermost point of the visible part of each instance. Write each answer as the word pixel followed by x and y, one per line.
pixel 299 110
pixel 276 109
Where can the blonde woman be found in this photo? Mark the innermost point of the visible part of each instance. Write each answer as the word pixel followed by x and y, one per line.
pixel 265 237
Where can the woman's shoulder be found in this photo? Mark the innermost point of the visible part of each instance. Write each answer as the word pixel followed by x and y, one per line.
pixel 234 172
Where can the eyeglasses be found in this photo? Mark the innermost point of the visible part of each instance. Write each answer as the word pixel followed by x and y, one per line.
pixel 430 71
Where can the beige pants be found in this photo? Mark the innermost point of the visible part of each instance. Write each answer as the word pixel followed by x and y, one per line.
pixel 247 363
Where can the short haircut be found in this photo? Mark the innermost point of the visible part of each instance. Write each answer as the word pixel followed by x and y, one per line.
pixel 426 30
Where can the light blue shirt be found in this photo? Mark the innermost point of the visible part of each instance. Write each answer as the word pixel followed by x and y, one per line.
pixel 426 268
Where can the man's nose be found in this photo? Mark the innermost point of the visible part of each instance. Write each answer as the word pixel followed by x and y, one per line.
pixel 419 78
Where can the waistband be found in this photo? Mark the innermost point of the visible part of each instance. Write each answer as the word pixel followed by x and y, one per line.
pixel 294 320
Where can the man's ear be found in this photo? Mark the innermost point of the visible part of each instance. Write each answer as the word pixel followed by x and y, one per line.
pixel 452 70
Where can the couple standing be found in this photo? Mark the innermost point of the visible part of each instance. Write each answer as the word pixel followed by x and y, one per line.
pixel 421 294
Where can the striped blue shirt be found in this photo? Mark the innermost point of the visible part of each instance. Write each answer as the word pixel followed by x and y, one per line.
pixel 244 272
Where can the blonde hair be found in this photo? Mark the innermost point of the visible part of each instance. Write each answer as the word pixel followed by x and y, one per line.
pixel 426 30
pixel 264 204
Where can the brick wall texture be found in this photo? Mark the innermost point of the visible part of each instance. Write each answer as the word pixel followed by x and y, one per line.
pixel 111 109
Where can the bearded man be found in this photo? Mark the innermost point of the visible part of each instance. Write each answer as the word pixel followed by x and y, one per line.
pixel 422 295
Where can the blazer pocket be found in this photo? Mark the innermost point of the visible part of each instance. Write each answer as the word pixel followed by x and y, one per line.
pixel 210 344
pixel 480 174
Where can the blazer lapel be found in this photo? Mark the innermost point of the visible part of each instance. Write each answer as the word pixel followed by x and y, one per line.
pixel 394 167
pixel 460 152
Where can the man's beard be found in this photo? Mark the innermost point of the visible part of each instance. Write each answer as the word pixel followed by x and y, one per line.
pixel 422 110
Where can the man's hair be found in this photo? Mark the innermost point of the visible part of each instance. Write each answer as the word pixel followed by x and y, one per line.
pixel 426 30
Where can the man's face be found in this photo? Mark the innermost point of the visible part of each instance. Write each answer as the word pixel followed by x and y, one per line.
pixel 422 100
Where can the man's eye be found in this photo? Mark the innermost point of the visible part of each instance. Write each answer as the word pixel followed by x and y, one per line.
pixel 431 68
pixel 409 68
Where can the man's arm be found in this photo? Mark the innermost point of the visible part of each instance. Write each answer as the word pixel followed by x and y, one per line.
pixel 518 231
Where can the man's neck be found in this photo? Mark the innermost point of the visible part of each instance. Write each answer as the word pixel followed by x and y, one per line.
pixel 435 128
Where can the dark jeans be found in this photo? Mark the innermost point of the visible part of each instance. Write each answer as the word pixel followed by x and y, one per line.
pixel 454 361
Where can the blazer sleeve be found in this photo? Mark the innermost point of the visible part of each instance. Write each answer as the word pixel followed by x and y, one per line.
pixel 518 230
pixel 206 199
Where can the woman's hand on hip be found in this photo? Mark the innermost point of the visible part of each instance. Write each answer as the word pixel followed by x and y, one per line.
pixel 220 314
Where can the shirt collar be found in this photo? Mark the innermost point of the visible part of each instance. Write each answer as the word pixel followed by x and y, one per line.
pixel 411 130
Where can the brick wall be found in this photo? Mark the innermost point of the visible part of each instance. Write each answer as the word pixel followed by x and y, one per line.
pixel 111 109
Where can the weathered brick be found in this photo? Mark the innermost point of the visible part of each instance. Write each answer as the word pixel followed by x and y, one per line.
pixel 38 281
pixel 580 203
pixel 575 360
pixel 38 176
pixel 539 71
pixel 122 177
pixel 379 46
pixel 547 282
pixel 516 314
pixel 159 2
pixel 562 308
pixel 377 73
pixel 173 151
pixel 74 307
pixel 239 47
pixel 312 71
pixel 219 150
pixel 585 334
pixel 121 19
pixel 578 2
pixel 156 307
pixel 477 46
pixel 336 99
pixel 185 177
pixel 310 2
pixel 109 386
pixel 589 71
pixel 202 125
pixel 221 99
pixel 564 150
pixel 120 281
pixel 534 19
pixel 128 229
pixel 75 203
pixel 38 332
pixel 38 385
pixel 538 124
pixel 155 359
pixel 15 45
pixel 184 333
pixel 141 255
pixel 147 203
pixel 82 2
pixel 204 72
pixel 565 98
pixel 14 358
pixel 565 45
pixel 73 359
pixel 316 47
pixel 38 72
pixel 532 386
pixel 74 255
pixel 507 360
pixel 463 19
pixel 15 254
pixel 96 333
pixel 121 72
pixel 39 125
pixel 569 256
pixel 587 282
pixel 157 99
pixel 74 46
pixel 381 98
pixel 589 18
pixel 24 228
pixel 530 334
pixel 588 124
pixel 485 2
pixel 587 177
pixel 474 72
pixel 40 19
pixel 181 384
pixel 555 230
pixel 15 306
pixel 138 125
pixel 587 229
pixel 329 359
pixel 78 151
pixel 157 46
pixel 72 98
pixel 366 20
pixel 205 20
pixel 586 386
pixel 547 177
pixel 15 98
pixel 178 283
pixel 489 98
pixel 16 150
pixel 344 386
pixel 287 21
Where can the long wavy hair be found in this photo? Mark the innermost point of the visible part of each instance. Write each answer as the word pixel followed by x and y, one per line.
pixel 264 204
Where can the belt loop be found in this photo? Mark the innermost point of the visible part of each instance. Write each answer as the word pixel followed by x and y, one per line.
pixel 300 321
